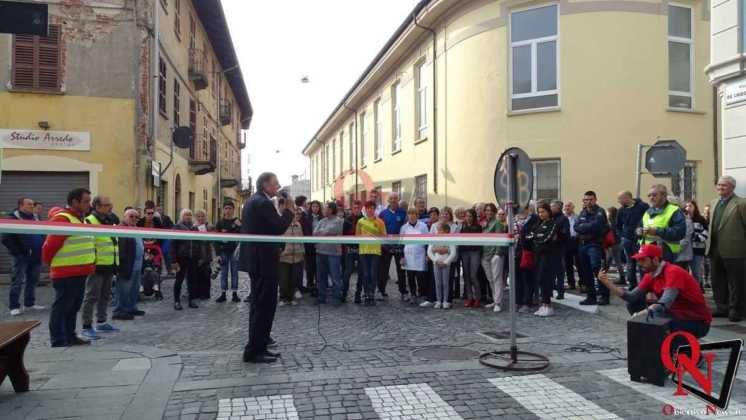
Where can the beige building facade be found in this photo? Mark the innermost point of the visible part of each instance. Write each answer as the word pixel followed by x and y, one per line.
pixel 727 72
pixel 576 84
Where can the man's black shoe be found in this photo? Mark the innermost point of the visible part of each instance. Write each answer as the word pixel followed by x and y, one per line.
pixel 235 298
pixel 603 301
pixel 733 316
pixel 77 341
pixel 720 314
pixel 589 301
pixel 560 295
pixel 221 299
pixel 357 300
pixel 271 354
pixel 192 304
pixel 178 306
pixel 123 317
pixel 261 358
pixel 138 313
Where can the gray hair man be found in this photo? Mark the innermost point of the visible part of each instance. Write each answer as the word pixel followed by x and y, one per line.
pixel 726 248
pixel 663 223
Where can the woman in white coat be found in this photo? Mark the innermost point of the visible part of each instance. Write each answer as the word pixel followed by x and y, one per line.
pixel 414 261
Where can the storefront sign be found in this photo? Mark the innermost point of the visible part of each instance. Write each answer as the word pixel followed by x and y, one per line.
pixel 735 92
pixel 45 140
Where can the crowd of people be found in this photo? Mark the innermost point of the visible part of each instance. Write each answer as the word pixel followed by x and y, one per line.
pixel 554 244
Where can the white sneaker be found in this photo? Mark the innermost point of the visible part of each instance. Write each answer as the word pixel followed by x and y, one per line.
pixel 546 311
pixel 36 307
pixel 15 312
pixel 293 303
pixel 281 303
pixel 298 294
pixel 496 308
pixel 540 312
pixel 437 305
pixel 446 305
pixel 489 305
pixel 426 304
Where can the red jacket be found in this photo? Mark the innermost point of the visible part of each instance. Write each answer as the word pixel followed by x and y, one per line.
pixel 53 243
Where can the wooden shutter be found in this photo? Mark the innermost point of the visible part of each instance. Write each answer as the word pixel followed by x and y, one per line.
pixel 36 61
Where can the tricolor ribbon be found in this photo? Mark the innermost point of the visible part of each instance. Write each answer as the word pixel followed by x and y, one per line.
pixel 56 228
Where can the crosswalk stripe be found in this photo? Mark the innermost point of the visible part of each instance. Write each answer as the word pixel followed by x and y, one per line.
pixel 693 405
pixel 270 407
pixel 548 399
pixel 415 401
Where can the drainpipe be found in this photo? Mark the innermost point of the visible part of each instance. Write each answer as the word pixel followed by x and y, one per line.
pixel 715 102
pixel 154 112
pixel 435 101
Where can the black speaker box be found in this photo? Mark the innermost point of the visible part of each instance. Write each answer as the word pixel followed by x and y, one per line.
pixel 644 341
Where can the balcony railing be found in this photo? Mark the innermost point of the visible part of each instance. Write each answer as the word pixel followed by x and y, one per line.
pixel 198 72
pixel 226 112
pixel 205 158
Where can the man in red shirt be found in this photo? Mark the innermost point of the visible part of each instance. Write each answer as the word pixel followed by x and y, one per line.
pixel 666 290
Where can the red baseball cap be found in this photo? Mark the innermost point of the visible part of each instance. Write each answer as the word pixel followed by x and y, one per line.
pixel 648 251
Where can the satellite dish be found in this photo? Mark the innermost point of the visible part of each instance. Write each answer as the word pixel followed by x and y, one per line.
pixel 183 137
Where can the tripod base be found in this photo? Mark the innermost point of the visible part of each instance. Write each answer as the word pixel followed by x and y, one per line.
pixel 514 360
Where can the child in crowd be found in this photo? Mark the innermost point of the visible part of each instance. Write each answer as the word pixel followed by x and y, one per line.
pixel 442 256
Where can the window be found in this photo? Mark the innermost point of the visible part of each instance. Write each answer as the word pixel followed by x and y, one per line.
pixel 351 135
pixel 36 61
pixel 420 104
pixel 177 102
pixel 192 124
pixel 363 196
pixel 191 200
pixel 420 187
pixel 684 185
pixel 162 86
pixel 395 117
pixel 204 138
pixel 326 165
pixel 680 57
pixel 177 18
pixel 204 199
pixel 396 188
pixel 377 143
pixel 547 179
pixel 534 59
pixel 216 83
pixel 341 152
pixel 363 151
pixel 334 158
pixel 192 32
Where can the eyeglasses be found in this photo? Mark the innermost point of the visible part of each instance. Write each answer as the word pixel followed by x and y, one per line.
pixel 150 213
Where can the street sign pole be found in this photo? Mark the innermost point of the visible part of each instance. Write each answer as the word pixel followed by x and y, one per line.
pixel 512 177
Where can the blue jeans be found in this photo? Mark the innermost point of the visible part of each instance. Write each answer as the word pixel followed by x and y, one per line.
pixel 68 298
pixel 126 293
pixel 135 292
pixel 369 273
pixel 25 271
pixel 630 248
pixel 352 263
pixel 697 266
pixel 591 262
pixel 229 265
pixel 326 266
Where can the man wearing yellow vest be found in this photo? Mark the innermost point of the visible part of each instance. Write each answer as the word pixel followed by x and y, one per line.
pixel 98 285
pixel 71 259
pixel 663 224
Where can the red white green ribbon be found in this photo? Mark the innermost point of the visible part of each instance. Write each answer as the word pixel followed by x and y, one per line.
pixel 57 228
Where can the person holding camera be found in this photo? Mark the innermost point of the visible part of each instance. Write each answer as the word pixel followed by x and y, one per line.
pixel 263 214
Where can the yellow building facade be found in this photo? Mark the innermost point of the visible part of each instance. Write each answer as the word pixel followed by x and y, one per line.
pixel 94 104
pixel 576 84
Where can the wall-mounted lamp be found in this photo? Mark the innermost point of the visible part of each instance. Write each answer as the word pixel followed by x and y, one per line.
pixel 44 125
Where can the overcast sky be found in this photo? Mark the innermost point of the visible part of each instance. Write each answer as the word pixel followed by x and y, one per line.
pixel 279 42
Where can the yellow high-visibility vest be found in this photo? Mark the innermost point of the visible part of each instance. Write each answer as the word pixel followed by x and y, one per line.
pixel 660 222
pixel 106 251
pixel 76 250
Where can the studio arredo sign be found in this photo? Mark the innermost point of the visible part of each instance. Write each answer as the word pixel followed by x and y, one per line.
pixel 45 140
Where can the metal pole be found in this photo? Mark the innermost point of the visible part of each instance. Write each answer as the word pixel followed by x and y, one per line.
pixel 511 256
pixel 638 170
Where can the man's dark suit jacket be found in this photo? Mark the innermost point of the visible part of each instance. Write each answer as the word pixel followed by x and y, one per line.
pixel 259 217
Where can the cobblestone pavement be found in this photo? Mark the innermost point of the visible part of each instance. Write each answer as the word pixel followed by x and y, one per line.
pixel 389 361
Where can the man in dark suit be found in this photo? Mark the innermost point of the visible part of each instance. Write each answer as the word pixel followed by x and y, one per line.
pixel 263 214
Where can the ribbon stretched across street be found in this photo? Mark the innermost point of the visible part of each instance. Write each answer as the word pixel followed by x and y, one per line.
pixel 55 228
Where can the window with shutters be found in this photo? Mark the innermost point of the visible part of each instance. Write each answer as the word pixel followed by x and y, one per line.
pixel 192 32
pixel 351 134
pixel 420 187
pixel 341 152
pixel 192 124
pixel 36 61
pixel 547 179
pixel 177 18
pixel 177 102
pixel 162 86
